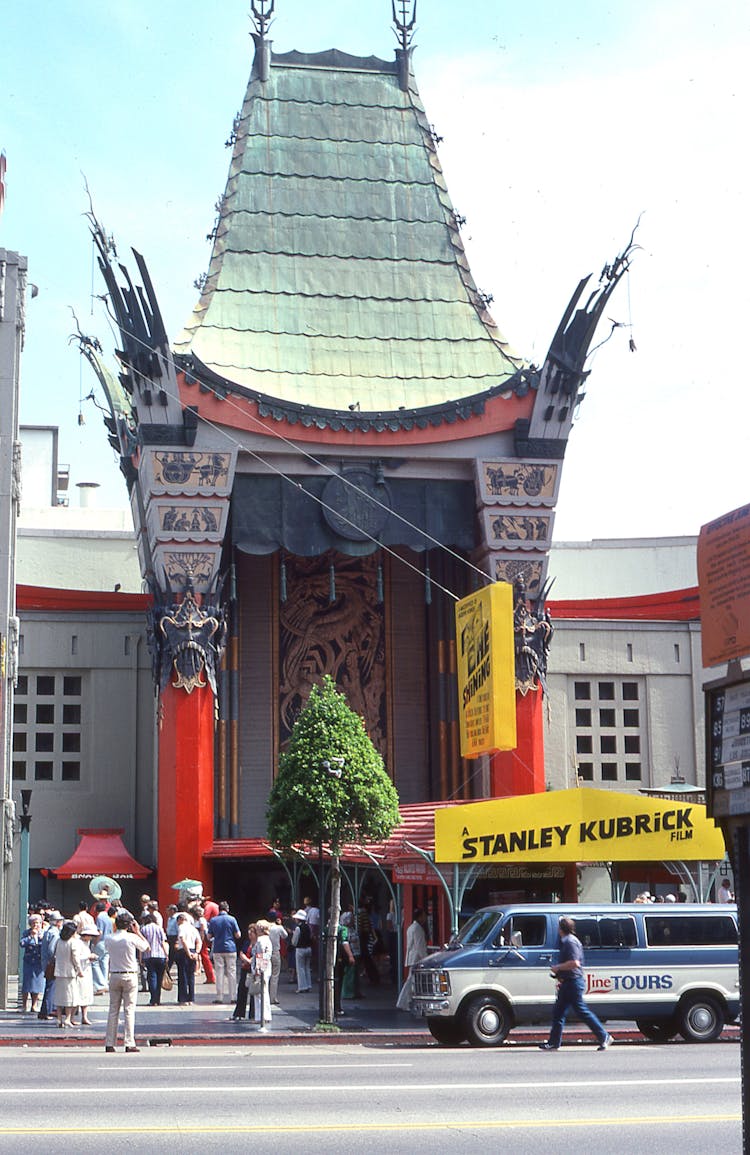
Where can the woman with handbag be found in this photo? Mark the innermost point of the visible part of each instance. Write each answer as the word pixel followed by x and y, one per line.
pixel 246 972
pixel 187 952
pixel 262 962
pixel 32 978
pixel 155 958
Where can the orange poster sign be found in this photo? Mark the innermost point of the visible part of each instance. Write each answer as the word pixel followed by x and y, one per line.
pixel 724 582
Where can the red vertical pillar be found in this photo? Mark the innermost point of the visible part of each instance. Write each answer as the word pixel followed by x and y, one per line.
pixel 186 788
pixel 521 771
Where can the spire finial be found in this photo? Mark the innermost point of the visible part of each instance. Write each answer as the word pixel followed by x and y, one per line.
pixel 404 25
pixel 262 11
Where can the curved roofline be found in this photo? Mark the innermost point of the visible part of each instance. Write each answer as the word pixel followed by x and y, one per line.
pixel 351 420
pixel 333 58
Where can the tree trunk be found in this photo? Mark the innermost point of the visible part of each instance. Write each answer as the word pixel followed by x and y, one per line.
pixel 329 1009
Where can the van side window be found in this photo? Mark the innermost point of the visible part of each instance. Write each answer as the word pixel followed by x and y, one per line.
pixel 699 930
pixel 617 932
pixel 587 930
pixel 532 927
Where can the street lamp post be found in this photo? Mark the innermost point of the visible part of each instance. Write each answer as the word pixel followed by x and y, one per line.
pixel 23 898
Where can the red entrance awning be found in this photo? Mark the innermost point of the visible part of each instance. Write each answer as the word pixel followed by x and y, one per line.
pixel 101 852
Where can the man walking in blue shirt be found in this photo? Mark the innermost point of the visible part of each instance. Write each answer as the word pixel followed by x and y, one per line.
pixel 569 971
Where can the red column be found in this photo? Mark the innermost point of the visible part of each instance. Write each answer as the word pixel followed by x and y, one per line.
pixel 186 788
pixel 521 771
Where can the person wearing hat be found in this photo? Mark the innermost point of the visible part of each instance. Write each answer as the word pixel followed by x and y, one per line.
pixel 50 939
pixel 302 943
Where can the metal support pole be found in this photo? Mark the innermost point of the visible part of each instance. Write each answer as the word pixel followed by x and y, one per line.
pixel 741 866
pixel 23 897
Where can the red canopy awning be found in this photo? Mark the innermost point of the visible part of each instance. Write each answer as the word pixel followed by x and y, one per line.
pixel 101 852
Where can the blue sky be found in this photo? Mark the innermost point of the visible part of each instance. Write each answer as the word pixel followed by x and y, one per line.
pixel 561 124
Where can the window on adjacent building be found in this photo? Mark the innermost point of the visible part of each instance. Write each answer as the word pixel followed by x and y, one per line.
pixel 47 717
pixel 611 729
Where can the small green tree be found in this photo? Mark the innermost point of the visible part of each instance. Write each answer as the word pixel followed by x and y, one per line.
pixel 331 788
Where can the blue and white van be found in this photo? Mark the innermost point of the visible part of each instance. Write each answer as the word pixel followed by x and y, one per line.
pixel 670 967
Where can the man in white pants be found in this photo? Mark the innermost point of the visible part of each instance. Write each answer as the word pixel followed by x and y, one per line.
pixel 123 948
pixel 224 933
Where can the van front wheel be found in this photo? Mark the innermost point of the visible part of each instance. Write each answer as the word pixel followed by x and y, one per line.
pixel 486 1021
pixel 700 1019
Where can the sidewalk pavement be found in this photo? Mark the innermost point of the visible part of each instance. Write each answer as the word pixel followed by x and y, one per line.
pixel 205 1022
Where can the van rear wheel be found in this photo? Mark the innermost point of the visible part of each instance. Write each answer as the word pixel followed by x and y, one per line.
pixel 486 1021
pixel 446 1031
pixel 657 1030
pixel 700 1019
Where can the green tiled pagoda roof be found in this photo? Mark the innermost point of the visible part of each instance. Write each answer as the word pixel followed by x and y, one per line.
pixel 338 275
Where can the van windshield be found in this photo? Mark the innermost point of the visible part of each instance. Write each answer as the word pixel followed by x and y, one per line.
pixel 477 929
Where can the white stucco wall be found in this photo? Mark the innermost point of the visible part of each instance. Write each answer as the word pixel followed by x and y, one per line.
pixel 73 548
pixel 620 567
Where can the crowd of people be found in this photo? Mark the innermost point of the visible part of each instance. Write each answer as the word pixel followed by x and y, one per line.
pixel 106 949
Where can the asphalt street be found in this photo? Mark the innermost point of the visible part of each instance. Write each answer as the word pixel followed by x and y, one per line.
pixel 399 1097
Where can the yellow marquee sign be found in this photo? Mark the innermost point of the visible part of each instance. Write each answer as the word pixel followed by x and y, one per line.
pixel 579 825
pixel 485 661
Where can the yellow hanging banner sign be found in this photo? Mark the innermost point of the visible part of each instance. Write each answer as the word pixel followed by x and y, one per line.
pixel 485 661
pixel 578 825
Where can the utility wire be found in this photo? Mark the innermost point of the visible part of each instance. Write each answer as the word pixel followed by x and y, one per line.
pixel 295 447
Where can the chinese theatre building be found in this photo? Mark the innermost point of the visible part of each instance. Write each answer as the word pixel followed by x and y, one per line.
pixel 339 445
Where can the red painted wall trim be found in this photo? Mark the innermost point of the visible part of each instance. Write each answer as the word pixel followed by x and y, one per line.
pixel 43 598
pixel 672 606
pixel 237 412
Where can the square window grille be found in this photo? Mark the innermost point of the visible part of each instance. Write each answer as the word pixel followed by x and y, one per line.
pixel 584 744
pixel 606 691
pixel 71 686
pixel 607 718
pixel 608 743
pixel 632 743
pixel 45 686
pixel 630 691
pixel 43 771
pixel 582 691
pixel 583 717
pixel 586 771
pixel 45 713
pixel 632 771
pixel 609 771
